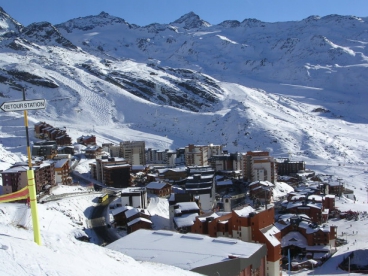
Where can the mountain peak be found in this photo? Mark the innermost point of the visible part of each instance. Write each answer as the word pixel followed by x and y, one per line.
pixel 7 23
pixel 46 33
pixel 92 21
pixel 191 20
pixel 104 14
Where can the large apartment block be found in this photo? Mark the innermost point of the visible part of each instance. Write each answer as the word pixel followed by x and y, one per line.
pixel 259 166
pixel 134 152
pixel 15 178
pixel 113 172
pixel 198 155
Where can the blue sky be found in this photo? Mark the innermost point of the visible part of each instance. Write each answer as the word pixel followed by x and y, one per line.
pixel 144 12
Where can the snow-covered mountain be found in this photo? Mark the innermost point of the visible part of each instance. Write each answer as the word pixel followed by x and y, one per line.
pixel 292 88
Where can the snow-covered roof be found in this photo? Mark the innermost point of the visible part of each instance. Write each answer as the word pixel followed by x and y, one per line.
pixel 156 185
pixel 318 248
pixel 315 197
pixel 269 233
pixel 134 221
pixel 205 177
pixel 133 211
pixel 60 163
pixel 178 169
pixel 244 212
pixel 204 217
pixel 119 210
pixel 263 183
pixel 334 183
pixel 185 220
pixel 294 238
pixel 187 206
pixel 186 251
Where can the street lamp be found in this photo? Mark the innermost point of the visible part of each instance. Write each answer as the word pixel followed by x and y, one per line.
pixel 346 237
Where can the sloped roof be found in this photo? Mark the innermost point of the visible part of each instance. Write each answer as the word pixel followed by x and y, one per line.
pixel 269 233
pixel 294 238
pixel 134 221
pixel 156 185
pixel 244 212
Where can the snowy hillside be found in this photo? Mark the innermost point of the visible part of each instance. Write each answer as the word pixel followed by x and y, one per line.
pixel 292 88
pixel 61 253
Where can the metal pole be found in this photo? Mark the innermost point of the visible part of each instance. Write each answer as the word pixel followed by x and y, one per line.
pixel 289 260
pixel 31 184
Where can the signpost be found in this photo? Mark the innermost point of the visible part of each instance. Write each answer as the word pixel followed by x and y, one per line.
pixel 24 106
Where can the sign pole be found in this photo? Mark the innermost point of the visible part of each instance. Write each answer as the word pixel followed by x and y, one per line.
pixel 31 184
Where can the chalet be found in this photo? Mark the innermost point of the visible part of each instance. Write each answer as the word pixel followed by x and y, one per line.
pixel 93 152
pixel 87 140
pixel 134 213
pixel 173 175
pixel 38 129
pixel 119 215
pixel 261 190
pixel 137 219
pixel 303 237
pixel 48 132
pixel 336 188
pixel 159 188
pixel 315 206
pixel 63 139
pixel 183 215
pixel 138 223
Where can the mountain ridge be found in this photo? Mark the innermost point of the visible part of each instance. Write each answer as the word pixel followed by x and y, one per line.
pixel 283 87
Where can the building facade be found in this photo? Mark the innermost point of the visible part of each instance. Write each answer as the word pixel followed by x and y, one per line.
pixel 134 152
pixel 113 172
pixel 259 166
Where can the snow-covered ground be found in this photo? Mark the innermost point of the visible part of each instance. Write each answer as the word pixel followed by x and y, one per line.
pixel 61 253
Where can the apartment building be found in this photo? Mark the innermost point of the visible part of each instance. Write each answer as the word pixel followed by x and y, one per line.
pixel 259 166
pixel 134 152
pixel 198 155
pixel 249 225
pixel 113 172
